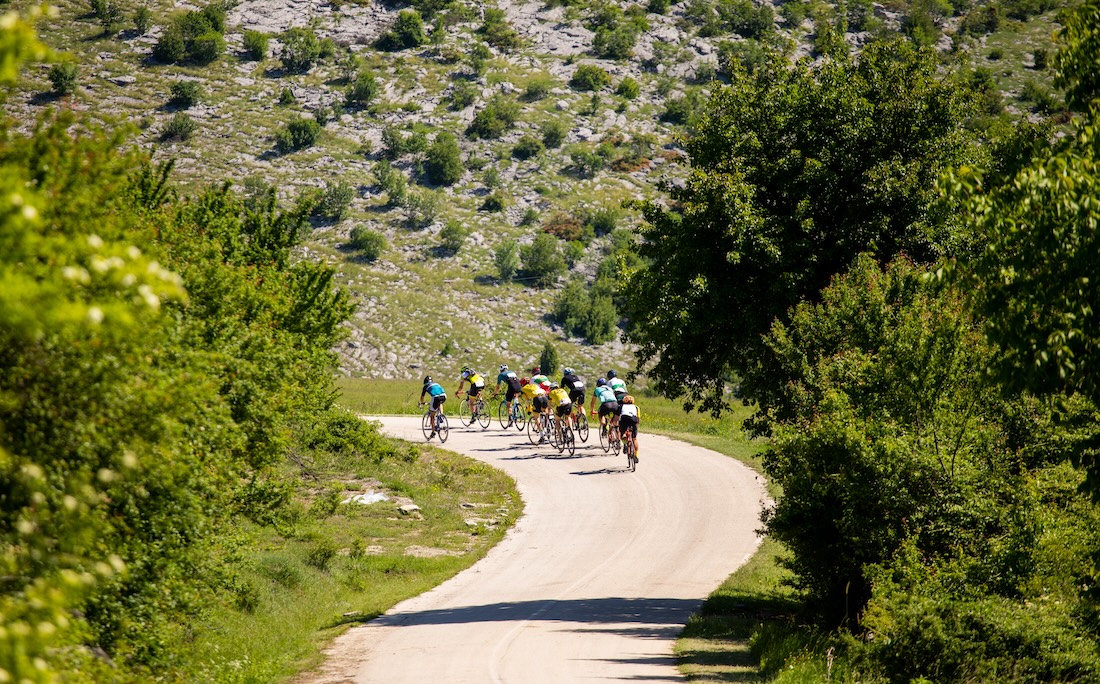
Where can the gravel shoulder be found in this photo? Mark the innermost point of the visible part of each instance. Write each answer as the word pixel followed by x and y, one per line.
pixel 595 581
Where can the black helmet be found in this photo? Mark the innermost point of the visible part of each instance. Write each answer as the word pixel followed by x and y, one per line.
pixel 611 374
pixel 601 382
pixel 427 379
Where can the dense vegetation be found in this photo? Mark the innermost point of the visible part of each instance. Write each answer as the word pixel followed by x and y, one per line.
pixel 906 297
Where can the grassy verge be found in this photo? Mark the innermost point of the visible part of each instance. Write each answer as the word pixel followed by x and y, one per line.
pixel 322 565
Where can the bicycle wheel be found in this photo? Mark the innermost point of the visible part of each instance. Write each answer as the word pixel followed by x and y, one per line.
pixel 483 416
pixel 582 424
pixel 569 440
pixel 605 440
pixel 631 462
pixel 616 440
pixel 519 418
pixel 426 425
pixel 444 428
pixel 464 417
pixel 503 415
pixel 534 432
pixel 556 440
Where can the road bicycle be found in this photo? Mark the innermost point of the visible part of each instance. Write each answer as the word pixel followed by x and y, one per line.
pixel 609 437
pixel 631 454
pixel 538 429
pixel 511 414
pixel 561 436
pixel 442 429
pixel 481 413
pixel 580 416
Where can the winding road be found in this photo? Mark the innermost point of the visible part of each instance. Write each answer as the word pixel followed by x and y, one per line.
pixel 594 582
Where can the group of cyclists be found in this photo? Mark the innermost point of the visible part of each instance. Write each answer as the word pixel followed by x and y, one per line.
pixel 610 400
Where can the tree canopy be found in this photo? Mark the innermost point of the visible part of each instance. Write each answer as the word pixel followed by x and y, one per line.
pixel 795 171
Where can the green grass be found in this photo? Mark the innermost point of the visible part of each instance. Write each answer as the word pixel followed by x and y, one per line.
pixel 292 587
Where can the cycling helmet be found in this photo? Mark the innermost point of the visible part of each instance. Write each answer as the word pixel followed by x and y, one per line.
pixel 535 370
pixel 526 381
pixel 601 382
pixel 465 369
pixel 427 379
pixel 553 385
pixel 611 374
pixel 567 370
pixel 628 399
pixel 503 367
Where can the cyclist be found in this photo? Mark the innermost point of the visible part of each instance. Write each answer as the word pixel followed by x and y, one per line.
pixel 629 417
pixel 608 404
pixel 438 395
pixel 575 385
pixel 539 379
pixel 537 402
pixel 477 384
pixel 618 386
pixel 563 405
pixel 511 381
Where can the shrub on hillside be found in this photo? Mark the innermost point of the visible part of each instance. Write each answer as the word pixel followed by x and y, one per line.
pixel 527 147
pixel 495 202
pixel 628 88
pixel 334 201
pixel 497 32
pixel 143 20
pixel 63 77
pixel 301 49
pixel 463 94
pixel 564 226
pixel 193 36
pixel 363 91
pixel 180 127
pixel 392 182
pixel 185 94
pixel 498 116
pixel 452 236
pixel 590 77
pixel 407 32
pixel 256 44
pixel 553 133
pixel 506 260
pixel 542 260
pixel 297 134
pixel 586 312
pixel 369 243
pixel 443 164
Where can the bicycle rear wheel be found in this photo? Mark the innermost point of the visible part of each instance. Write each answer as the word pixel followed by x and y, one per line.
pixel 533 431
pixel 426 425
pixel 444 428
pixel 519 419
pixel 569 439
pixel 503 414
pixel 605 439
pixel 556 440
pixel 582 424
pixel 616 439
pixel 483 416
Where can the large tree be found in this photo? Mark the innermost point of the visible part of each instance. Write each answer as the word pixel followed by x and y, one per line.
pixel 795 171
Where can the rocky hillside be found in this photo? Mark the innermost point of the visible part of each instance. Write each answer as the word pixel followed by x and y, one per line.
pixel 589 100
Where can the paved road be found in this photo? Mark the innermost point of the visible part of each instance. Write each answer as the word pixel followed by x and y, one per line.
pixel 594 582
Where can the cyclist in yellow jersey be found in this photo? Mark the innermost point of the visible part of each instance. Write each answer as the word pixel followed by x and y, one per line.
pixel 559 399
pixel 477 384
pixel 537 401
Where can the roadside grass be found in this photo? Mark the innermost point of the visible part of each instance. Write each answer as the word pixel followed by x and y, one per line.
pixel 294 586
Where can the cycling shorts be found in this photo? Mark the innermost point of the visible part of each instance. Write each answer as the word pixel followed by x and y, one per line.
pixel 563 410
pixel 438 401
pixel 577 397
pixel 609 408
pixel 619 396
pixel 628 423
pixel 511 393
pixel 541 402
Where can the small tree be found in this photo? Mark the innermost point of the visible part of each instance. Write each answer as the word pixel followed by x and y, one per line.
pixel 498 116
pixel 590 77
pixel 301 49
pixel 452 236
pixel 297 135
pixel 407 32
pixel 143 19
pixel 553 133
pixel 255 45
pixel 548 360
pixel 179 127
pixel 443 165
pixel 334 201
pixel 506 259
pixel 363 91
pixel 369 243
pixel 63 77
pixel 185 94
pixel 542 260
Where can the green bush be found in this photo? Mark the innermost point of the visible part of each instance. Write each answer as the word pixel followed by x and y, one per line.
pixel 194 36
pixel 497 116
pixel 463 94
pixel 497 32
pixel 143 20
pixel 553 133
pixel 542 260
pixel 256 44
pixel 614 43
pixel 322 552
pixel 185 94
pixel 422 209
pixel 179 127
pixel 286 97
pixel 590 77
pixel 297 134
pixel 369 243
pixel 586 312
pixel 506 260
pixel 407 32
pixel 301 49
pixel 537 89
pixel 334 201
pixel 392 182
pixel 494 203
pixel 527 147
pixel 171 47
pixel 443 164
pixel 548 359
pixel 452 236
pixel 628 88
pixel 207 47
pixel 63 77
pixel 363 91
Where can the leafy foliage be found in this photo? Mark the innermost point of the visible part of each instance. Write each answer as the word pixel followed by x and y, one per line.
pixel 63 77
pixel 298 134
pixel 590 77
pixel 369 243
pixel 497 116
pixel 256 45
pixel 193 36
pixel 542 260
pixel 301 49
pixel 443 164
pixel 796 171
pixel 407 32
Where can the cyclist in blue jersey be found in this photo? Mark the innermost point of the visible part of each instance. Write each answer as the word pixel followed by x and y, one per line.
pixel 511 381
pixel 609 406
pixel 438 395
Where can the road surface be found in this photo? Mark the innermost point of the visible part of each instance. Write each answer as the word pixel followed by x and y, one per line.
pixel 594 582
